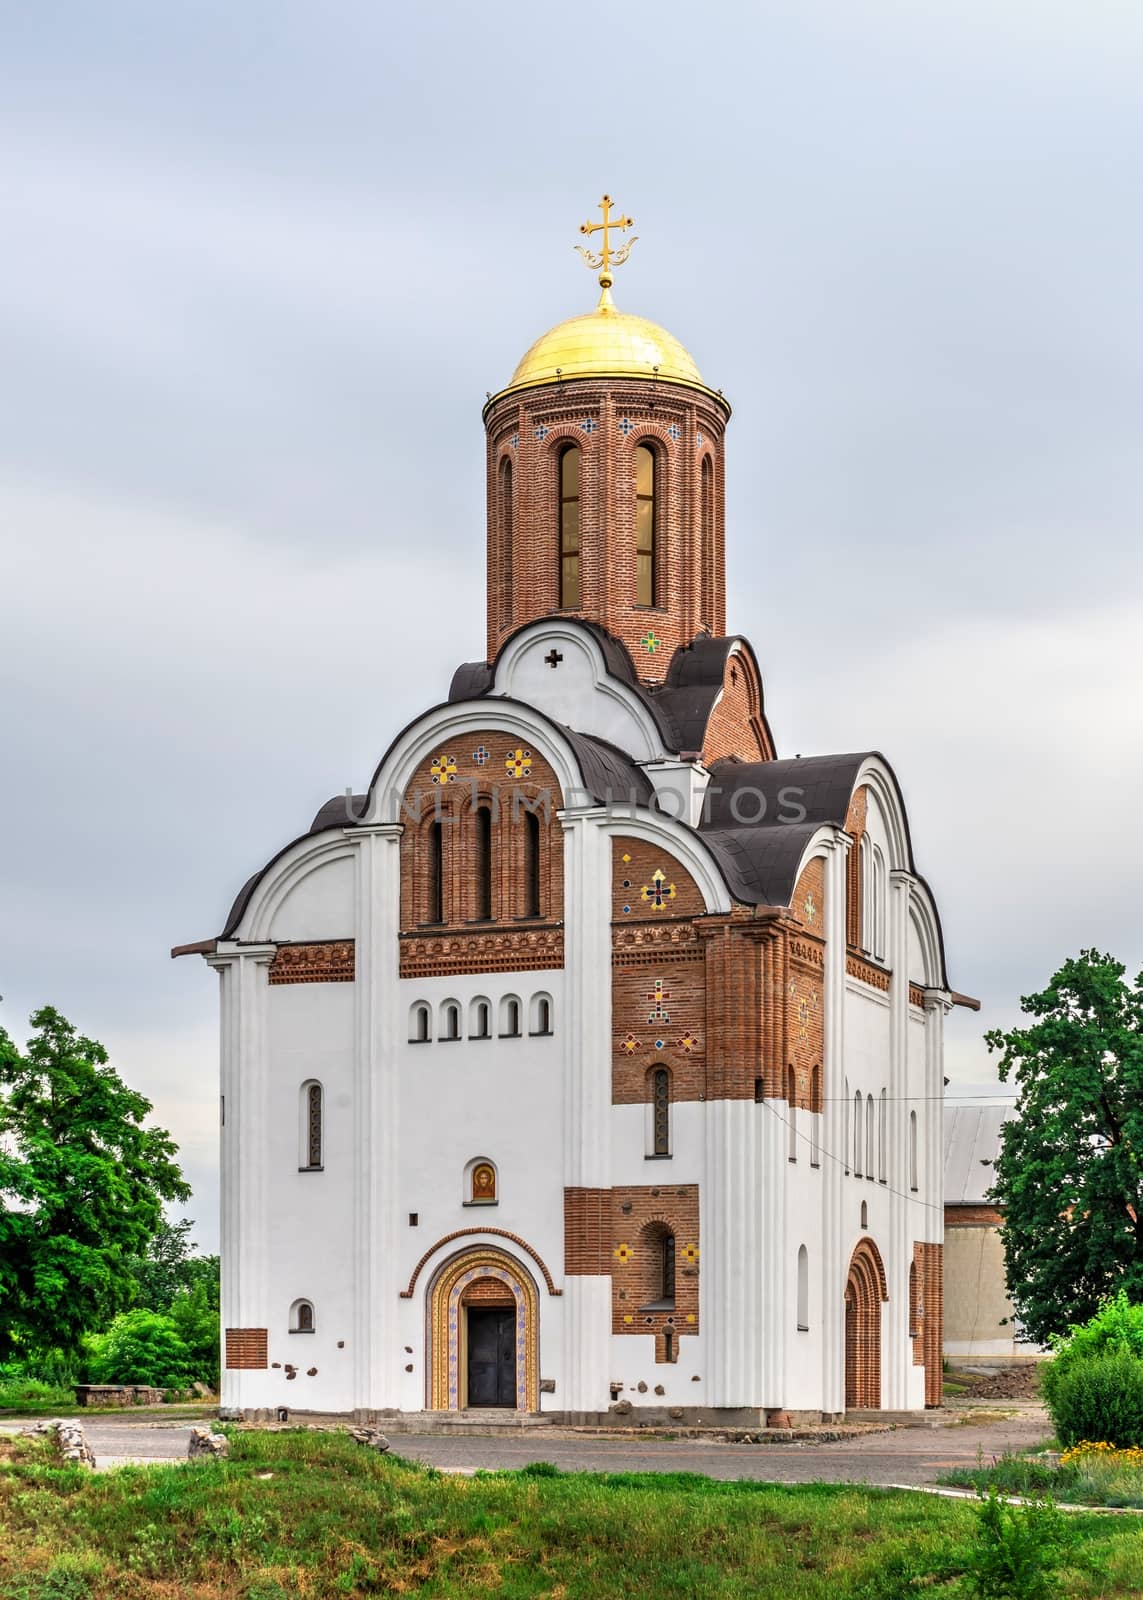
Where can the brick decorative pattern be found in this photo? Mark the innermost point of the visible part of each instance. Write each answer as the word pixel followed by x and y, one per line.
pixel 448 787
pixel 916 995
pixel 868 972
pixel 544 421
pixel 425 955
pixel 865 1290
pixel 736 726
pixel 488 1292
pixel 659 975
pixel 247 1349
pixel 327 961
pixel 467 1233
pixel 807 903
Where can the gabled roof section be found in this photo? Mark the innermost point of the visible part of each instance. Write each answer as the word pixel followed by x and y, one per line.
pixel 681 706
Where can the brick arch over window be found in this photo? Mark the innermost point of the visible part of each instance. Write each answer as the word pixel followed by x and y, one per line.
pixel 865 1291
pixel 467 1233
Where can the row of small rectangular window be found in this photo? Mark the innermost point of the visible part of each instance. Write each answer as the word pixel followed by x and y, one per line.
pixel 450 1021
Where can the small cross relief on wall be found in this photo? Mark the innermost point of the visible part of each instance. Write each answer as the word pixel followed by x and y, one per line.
pixel 553 658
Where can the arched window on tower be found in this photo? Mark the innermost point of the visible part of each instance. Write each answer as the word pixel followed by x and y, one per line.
pixel 645 526
pixel 569 528
pixel 706 545
pixel 658 1243
pixel 504 506
pixel 434 884
pixel 531 864
pixel 483 908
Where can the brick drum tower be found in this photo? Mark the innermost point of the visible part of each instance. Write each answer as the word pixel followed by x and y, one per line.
pixel 591 1061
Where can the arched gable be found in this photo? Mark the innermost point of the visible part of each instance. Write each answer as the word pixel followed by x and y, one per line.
pixel 737 724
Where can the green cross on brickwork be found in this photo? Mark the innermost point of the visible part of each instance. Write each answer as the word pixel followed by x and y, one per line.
pixel 650 643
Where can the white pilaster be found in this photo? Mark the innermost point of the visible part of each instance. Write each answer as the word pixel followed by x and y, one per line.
pixel 587 1089
pixel 376 1368
pixel 833 1256
pixel 896 1352
pixel 244 1172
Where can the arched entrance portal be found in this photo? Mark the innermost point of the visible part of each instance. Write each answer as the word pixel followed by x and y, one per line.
pixel 865 1289
pixel 483 1328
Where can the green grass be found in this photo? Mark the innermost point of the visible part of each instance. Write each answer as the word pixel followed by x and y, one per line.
pixel 29 1397
pixel 1091 1483
pixel 300 1516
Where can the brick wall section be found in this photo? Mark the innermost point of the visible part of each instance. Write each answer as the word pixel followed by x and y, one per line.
pixel 488 1292
pixel 511 778
pixel 327 961
pixel 736 726
pixel 973 1217
pixel 543 420
pixel 587 1232
pixel 932 1321
pixel 855 825
pixel 865 1291
pixel 638 1217
pixel 247 1349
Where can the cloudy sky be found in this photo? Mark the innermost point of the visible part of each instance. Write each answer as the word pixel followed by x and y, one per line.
pixel 261 263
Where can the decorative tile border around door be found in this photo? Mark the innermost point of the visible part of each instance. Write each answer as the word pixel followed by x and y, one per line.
pixel 445 1335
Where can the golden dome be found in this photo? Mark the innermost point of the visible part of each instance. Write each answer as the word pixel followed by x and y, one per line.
pixel 606 343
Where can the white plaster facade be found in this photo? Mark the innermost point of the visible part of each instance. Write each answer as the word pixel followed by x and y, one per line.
pixel 404 1118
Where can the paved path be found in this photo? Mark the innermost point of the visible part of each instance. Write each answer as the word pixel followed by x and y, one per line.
pixel 902 1456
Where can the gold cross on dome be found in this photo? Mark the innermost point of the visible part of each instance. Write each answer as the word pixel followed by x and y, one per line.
pixel 605 257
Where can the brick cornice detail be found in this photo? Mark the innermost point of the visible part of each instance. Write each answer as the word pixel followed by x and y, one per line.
pixel 978 1216
pixel 867 972
pixel 323 961
pixel 469 1233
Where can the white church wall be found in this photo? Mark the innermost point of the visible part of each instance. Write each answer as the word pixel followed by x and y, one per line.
pixel 306 1216
pixel 319 905
pixel 496 1098
pixel 805 1194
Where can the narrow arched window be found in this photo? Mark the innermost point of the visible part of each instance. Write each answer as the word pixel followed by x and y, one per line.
pixel 661 1112
pixel 504 507
pixel 845 1132
pixel 434 900
pixel 480 1021
pixel 803 1289
pixel 483 908
pixel 302 1317
pixel 857 1105
pixel 883 1136
pixel 667 1263
pixel 450 1020
pixel 569 528
pixel 815 1118
pixel 645 529
pixel 510 1017
pixel 312 1129
pixel 870 1138
pixel 865 1213
pixel 792 1114
pixel 880 907
pixel 420 1026
pixel 541 1015
pixel 868 899
pixel 531 864
pixel 706 550
pixel 913 1175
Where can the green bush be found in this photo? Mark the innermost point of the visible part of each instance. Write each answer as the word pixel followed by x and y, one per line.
pixel 141 1347
pixel 1099 1398
pixel 1116 1328
pixel 1019 1550
pixel 197 1325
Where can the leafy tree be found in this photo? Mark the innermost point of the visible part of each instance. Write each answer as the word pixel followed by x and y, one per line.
pixel 82 1186
pixel 1068 1174
pixel 141 1347
pixel 196 1321
pixel 172 1267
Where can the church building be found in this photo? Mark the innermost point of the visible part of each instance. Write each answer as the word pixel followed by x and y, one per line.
pixel 589 1061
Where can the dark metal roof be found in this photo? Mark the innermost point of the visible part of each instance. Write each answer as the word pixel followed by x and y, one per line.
pixel 813 789
pixel 608 775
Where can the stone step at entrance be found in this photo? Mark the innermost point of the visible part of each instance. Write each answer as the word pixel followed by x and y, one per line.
pixel 476 1421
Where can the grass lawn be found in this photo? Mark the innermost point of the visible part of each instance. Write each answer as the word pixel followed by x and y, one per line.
pixel 300 1516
